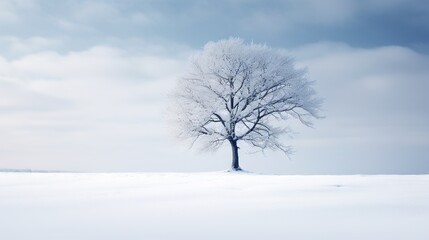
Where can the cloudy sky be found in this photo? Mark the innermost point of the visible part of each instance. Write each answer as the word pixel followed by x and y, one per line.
pixel 84 84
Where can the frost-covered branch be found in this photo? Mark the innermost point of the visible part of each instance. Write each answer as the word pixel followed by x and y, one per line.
pixel 240 92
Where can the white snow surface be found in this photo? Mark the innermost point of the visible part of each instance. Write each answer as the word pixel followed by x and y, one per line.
pixel 218 205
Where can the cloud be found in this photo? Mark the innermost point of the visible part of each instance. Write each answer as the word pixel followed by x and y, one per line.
pixel 375 106
pixel 85 100
pixel 375 75
pixel 82 24
pixel 97 13
pixel 14 46
pixel 294 14
pixel 95 10
pixel 6 13
pixel 99 75
pixel 11 10
pixel 15 98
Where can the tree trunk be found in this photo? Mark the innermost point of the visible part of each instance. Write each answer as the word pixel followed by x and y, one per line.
pixel 235 164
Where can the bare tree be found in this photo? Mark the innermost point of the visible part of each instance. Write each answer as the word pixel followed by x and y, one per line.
pixel 241 92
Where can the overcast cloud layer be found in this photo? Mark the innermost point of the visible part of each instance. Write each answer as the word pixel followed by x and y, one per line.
pixel 84 84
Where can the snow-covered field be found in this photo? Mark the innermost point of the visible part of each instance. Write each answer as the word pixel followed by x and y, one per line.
pixel 64 206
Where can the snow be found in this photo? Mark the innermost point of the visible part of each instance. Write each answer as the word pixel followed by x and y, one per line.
pixel 217 205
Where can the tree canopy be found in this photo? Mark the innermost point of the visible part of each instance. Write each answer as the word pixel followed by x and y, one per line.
pixel 242 92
